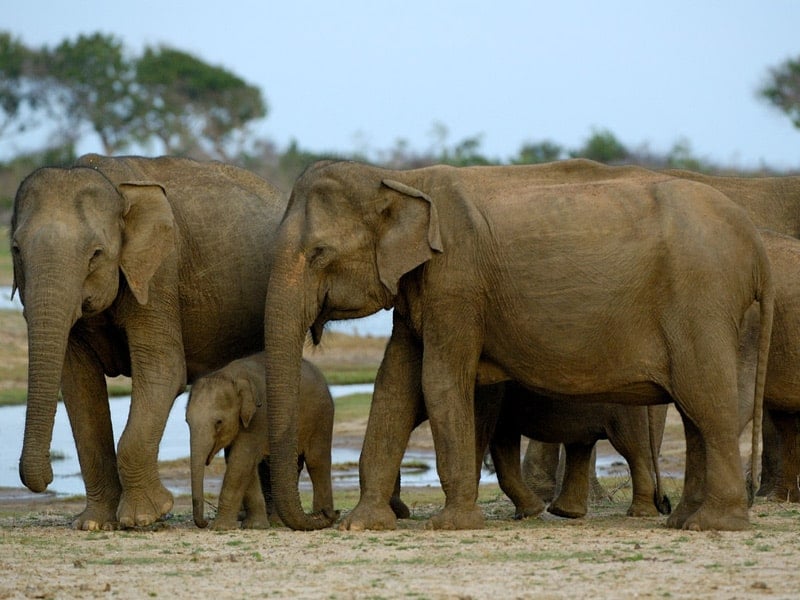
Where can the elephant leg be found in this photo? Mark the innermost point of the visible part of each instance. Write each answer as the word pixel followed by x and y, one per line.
pixel 266 491
pixel 786 489
pixel 540 467
pixel 694 476
pixel 396 402
pixel 642 480
pixel 770 456
pixel 158 376
pixel 255 507
pixel 240 487
pixel 573 501
pixel 318 464
pixel 85 395
pixel 448 382
pixel 505 449
pixel 597 493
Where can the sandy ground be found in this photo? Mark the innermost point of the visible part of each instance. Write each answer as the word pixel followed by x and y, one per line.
pixel 605 555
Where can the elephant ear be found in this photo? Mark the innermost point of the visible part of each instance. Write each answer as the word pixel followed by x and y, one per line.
pixel 409 234
pixel 244 390
pixel 148 236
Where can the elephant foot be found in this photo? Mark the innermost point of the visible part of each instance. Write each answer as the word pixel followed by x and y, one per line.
pixel 711 519
pixel 530 508
pixel 455 518
pixel 255 522
pixel 642 509
pixel 96 518
pixel 562 507
pixel 369 516
pixel 140 507
pixel 681 514
pixel 399 508
pixel 224 524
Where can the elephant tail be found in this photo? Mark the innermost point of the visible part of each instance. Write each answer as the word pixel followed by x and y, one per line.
pixel 656 433
pixel 766 298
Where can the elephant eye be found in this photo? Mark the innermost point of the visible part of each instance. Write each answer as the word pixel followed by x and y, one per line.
pixel 320 256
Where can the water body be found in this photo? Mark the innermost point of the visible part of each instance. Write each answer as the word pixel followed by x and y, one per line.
pixel 67 478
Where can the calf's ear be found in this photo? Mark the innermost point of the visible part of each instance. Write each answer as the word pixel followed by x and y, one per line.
pixel 248 401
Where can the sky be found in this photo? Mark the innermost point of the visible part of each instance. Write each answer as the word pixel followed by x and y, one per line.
pixel 363 75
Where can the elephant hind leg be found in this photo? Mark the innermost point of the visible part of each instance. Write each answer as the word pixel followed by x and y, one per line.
pixel 573 500
pixel 786 489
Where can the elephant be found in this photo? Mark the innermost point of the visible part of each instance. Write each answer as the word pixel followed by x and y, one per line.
pixel 634 431
pixel 772 203
pixel 782 391
pixel 226 409
pixel 543 466
pixel 153 268
pixel 631 288
pixel 505 411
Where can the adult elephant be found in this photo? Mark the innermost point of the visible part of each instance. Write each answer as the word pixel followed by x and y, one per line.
pixel 630 289
pixel 772 203
pixel 149 267
pixel 782 391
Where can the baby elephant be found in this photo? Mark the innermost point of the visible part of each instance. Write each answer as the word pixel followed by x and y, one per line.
pixel 226 410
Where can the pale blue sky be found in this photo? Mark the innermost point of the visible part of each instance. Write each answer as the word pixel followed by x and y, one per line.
pixel 359 75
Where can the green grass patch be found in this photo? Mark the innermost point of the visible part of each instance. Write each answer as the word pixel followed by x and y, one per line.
pixel 350 376
pixel 13 396
pixel 352 407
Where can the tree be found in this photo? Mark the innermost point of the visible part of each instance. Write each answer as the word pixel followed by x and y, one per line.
pixel 602 146
pixel 189 101
pixel 782 89
pixel 540 152
pixel 95 85
pixel 19 89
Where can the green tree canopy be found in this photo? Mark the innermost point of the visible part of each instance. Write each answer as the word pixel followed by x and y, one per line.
pixel 95 86
pixel 539 152
pixel 782 89
pixel 602 146
pixel 188 100
pixel 19 87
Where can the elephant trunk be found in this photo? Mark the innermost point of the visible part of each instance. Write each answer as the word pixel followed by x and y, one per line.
pixel 49 321
pixel 198 468
pixel 288 316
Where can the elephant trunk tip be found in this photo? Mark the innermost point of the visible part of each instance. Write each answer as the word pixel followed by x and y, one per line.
pixel 38 480
pixel 201 522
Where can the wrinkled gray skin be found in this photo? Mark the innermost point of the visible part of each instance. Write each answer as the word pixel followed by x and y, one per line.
pixel 226 410
pixel 634 431
pixel 629 287
pixel 772 203
pixel 125 266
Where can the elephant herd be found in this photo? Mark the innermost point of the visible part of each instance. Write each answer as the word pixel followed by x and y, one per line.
pixel 567 302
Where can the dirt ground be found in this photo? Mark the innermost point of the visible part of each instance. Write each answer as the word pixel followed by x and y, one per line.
pixel 605 555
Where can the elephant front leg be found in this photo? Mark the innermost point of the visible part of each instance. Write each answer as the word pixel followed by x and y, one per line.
pixel 505 448
pixel 158 372
pixel 396 401
pixel 86 400
pixel 448 387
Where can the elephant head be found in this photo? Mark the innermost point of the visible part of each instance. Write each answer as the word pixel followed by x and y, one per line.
pixel 350 233
pixel 219 406
pixel 72 233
